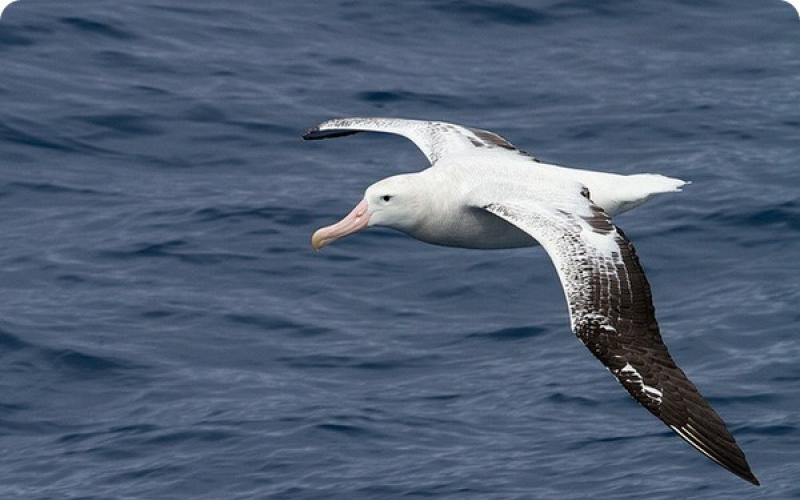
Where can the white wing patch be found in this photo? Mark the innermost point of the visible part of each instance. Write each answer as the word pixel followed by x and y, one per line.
pixel 632 376
pixel 602 242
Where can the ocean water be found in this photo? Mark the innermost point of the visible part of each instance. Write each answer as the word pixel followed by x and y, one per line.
pixel 166 331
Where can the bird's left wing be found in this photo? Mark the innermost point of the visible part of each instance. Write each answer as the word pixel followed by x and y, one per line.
pixel 436 140
pixel 611 310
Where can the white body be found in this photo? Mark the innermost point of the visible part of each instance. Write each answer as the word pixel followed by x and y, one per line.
pixel 458 224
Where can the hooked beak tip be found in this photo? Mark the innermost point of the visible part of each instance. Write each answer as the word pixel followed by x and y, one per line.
pixel 317 241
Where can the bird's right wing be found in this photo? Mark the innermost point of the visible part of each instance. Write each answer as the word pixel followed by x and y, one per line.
pixel 436 140
pixel 611 311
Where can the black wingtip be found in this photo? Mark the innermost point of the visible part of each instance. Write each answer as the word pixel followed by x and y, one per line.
pixel 750 477
pixel 311 134
pixel 721 449
pixel 315 133
pixel 741 468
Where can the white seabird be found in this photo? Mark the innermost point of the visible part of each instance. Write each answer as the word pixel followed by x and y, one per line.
pixel 482 192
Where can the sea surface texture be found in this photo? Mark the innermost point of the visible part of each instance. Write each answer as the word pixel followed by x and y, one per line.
pixel 166 331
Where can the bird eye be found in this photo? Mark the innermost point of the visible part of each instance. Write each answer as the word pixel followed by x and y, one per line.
pixel 386 197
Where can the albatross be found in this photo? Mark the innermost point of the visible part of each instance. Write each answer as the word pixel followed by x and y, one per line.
pixel 482 192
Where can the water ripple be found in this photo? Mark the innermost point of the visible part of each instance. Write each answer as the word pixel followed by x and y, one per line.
pixel 500 13
pixel 103 29
pixel 511 334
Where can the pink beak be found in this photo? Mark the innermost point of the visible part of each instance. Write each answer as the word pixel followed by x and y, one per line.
pixel 355 221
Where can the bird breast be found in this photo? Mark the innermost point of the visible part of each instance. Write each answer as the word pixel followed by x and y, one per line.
pixel 471 228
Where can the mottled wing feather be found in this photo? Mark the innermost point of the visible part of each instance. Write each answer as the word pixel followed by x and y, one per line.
pixel 436 140
pixel 611 311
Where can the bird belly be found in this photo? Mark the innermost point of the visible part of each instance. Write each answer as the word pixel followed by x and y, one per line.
pixel 476 229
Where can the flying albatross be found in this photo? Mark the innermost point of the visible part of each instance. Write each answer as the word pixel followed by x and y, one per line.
pixel 482 192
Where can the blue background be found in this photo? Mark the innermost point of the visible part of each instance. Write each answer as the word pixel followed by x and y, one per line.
pixel 167 332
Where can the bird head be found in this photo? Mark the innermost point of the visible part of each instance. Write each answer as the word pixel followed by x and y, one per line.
pixel 392 202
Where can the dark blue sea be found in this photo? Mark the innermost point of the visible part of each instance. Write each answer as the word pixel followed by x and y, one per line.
pixel 166 331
